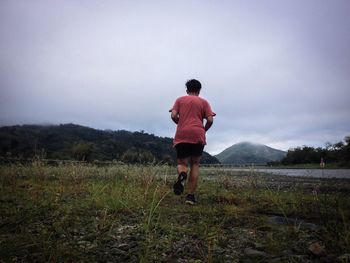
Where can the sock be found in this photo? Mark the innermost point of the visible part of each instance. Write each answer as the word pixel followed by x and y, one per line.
pixel 183 176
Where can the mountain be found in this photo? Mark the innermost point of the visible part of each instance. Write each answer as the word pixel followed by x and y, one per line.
pixel 249 153
pixel 71 141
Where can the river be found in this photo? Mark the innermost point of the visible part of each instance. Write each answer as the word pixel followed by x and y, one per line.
pixel 317 173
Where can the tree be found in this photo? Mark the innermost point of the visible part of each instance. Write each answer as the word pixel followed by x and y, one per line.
pixel 136 155
pixel 346 150
pixel 82 151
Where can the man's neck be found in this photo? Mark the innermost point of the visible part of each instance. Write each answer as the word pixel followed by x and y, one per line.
pixel 193 93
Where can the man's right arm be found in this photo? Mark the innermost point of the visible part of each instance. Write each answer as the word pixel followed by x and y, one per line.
pixel 209 123
pixel 175 116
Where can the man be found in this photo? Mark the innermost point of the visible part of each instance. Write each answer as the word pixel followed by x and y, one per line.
pixel 188 113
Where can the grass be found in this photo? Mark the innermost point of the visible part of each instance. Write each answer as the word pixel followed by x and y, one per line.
pixel 128 213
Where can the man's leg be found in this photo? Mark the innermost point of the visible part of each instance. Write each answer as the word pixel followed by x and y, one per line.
pixel 193 180
pixel 182 165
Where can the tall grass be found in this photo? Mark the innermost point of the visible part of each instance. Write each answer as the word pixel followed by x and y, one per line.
pixel 127 213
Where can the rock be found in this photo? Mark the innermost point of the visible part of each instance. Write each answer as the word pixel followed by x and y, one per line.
pixel 264 228
pixel 317 249
pixel 287 252
pixel 123 246
pixel 259 246
pixel 279 220
pixel 254 253
pixel 275 260
pixel 290 258
pixel 118 251
pixel 344 258
pixel 309 226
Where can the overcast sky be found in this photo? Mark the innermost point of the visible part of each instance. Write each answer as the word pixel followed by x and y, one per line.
pixel 275 72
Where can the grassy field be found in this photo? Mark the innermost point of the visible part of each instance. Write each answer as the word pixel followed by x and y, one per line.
pixel 124 213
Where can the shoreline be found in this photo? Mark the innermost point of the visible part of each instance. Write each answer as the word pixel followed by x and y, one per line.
pixel 292 172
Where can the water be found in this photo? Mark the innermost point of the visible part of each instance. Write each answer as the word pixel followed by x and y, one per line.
pixel 316 173
pixel 319 173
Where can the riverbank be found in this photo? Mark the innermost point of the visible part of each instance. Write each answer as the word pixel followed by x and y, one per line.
pixel 291 172
pixel 129 214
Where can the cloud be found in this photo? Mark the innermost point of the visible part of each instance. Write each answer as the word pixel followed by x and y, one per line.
pixel 274 72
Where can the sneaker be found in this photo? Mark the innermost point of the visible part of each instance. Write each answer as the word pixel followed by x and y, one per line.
pixel 179 185
pixel 190 199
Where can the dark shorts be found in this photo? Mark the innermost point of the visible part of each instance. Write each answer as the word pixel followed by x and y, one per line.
pixel 185 150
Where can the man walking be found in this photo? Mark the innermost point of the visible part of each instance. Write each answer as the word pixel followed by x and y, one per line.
pixel 189 113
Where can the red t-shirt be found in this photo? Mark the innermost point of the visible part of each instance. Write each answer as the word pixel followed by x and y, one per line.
pixel 192 110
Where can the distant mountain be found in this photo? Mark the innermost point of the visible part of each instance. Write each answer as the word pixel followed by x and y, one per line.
pixel 71 141
pixel 249 153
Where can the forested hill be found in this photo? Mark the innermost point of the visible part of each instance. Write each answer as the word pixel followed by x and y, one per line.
pixel 249 153
pixel 70 141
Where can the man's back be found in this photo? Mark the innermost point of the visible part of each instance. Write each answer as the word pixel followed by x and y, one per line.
pixel 192 110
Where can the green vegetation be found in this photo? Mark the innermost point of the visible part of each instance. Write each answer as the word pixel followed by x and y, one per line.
pixel 70 141
pixel 334 155
pixel 128 213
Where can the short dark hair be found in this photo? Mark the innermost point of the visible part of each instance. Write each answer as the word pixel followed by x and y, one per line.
pixel 193 85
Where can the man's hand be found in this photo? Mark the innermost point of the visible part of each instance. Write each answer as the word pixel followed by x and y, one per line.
pixel 175 116
pixel 209 123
